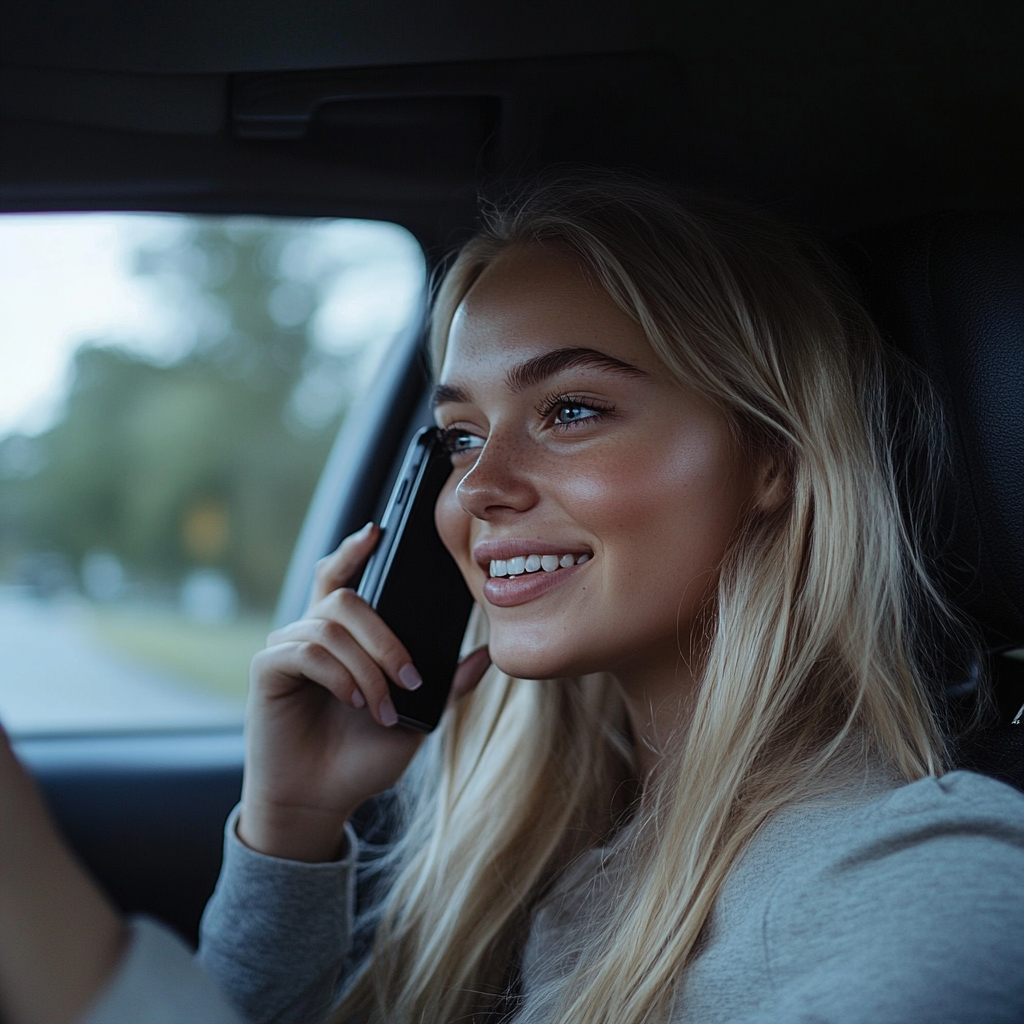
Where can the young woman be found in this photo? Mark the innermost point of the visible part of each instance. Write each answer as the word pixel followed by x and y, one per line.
pixel 703 778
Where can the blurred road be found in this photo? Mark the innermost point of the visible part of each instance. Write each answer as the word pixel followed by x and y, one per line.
pixel 54 677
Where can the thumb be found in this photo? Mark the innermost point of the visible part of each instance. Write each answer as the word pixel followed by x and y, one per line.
pixel 470 671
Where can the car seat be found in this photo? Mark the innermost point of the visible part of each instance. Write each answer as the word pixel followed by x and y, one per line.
pixel 948 291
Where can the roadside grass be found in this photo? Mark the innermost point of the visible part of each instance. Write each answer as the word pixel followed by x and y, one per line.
pixel 215 658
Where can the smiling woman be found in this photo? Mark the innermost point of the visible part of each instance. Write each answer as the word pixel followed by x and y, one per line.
pixel 683 396
pixel 705 778
pixel 591 450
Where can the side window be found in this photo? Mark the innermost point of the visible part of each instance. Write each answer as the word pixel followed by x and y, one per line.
pixel 171 386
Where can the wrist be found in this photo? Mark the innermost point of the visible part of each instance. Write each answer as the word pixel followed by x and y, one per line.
pixel 304 834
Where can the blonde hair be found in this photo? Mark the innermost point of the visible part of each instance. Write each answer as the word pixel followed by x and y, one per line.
pixel 811 669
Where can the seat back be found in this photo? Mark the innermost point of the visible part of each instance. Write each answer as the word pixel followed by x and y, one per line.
pixel 948 291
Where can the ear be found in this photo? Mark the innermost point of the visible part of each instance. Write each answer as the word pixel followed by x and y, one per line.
pixel 773 481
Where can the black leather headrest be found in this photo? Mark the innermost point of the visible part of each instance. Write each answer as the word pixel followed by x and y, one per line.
pixel 949 291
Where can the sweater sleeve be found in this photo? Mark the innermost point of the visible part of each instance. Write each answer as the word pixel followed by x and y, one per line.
pixel 917 918
pixel 276 932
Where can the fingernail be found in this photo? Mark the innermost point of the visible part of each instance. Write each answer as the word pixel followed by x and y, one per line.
pixel 358 700
pixel 388 714
pixel 409 677
pixel 366 529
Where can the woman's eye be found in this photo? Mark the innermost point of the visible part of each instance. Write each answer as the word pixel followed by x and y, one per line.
pixel 568 410
pixel 573 413
pixel 460 441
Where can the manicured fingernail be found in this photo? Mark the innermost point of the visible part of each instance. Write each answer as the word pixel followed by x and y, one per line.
pixel 388 714
pixel 409 677
pixel 358 700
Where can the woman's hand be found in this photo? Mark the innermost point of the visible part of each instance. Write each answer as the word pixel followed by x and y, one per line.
pixel 321 735
pixel 60 937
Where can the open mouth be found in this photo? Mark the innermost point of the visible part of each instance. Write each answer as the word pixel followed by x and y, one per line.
pixel 524 578
pixel 534 563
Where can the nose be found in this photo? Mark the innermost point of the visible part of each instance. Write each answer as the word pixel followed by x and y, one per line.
pixel 497 483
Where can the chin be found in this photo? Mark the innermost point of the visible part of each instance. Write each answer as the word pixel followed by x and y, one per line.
pixel 535 660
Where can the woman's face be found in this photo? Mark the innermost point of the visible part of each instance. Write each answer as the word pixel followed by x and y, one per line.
pixel 571 439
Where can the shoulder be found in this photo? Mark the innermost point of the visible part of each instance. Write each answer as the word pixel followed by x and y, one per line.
pixel 949 829
pixel 960 797
pixel 926 818
pixel 916 896
pixel 955 835
pixel 883 901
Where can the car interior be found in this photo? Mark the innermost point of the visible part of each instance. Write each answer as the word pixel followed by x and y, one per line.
pixel 894 133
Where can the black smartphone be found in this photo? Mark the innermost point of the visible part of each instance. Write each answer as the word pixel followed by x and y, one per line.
pixel 414 584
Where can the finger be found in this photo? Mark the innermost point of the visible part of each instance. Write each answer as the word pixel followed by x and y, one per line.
pixel 301 629
pixel 348 608
pixel 470 671
pixel 311 662
pixel 346 649
pixel 340 567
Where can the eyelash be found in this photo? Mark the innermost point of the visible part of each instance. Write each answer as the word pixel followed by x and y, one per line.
pixel 555 402
pixel 450 435
pixel 450 438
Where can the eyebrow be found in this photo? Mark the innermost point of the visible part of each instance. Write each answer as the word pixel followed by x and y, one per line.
pixel 538 369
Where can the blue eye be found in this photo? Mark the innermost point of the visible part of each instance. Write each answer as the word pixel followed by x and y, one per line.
pixel 574 413
pixel 569 410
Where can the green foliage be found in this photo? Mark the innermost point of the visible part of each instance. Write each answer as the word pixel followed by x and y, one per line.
pixel 196 463
pixel 214 657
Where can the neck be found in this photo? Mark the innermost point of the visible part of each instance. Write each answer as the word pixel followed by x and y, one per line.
pixel 658 693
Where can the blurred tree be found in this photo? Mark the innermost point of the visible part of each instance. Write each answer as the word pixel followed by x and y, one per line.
pixel 197 463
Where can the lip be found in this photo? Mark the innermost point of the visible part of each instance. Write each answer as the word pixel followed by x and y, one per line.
pixel 509 591
pixel 487 551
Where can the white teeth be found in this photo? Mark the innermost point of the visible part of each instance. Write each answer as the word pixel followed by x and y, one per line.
pixel 533 563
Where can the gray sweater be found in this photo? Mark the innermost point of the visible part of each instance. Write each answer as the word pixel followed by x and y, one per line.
pixel 880 905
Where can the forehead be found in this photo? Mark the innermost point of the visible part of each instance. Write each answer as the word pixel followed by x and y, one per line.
pixel 532 301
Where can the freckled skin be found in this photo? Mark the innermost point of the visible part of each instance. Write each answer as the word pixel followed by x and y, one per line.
pixel 654 488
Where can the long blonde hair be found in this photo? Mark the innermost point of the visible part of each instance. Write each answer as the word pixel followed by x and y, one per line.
pixel 811 668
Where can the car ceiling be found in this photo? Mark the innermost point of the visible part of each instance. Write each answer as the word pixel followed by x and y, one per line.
pixel 841 115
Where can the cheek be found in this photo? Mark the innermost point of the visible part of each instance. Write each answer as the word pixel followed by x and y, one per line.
pixel 664 514
pixel 658 484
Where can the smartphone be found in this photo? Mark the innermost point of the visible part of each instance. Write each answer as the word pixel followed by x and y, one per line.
pixel 414 584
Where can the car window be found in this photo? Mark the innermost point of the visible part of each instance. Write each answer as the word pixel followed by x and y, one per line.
pixel 172 385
